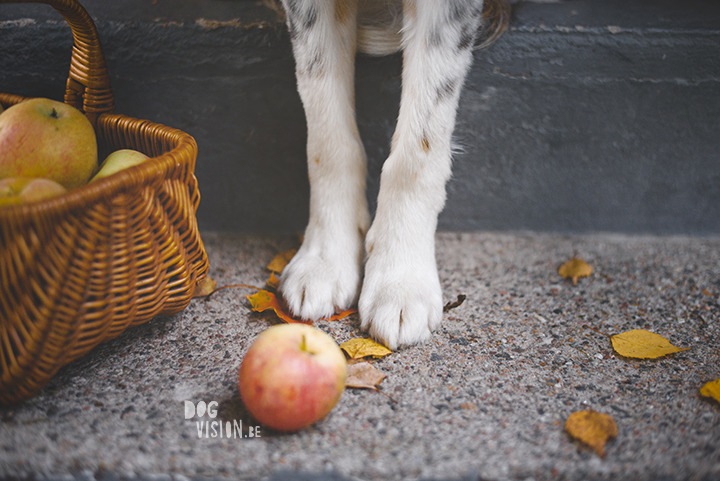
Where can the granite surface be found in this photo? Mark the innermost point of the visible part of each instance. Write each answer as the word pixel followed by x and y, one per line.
pixel 486 398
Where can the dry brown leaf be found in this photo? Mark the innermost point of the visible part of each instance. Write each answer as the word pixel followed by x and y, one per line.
pixel 592 428
pixel 359 347
pixel 642 344
pixel 364 375
pixel 281 260
pixel 205 287
pixel 574 269
pixel 452 305
pixel 711 389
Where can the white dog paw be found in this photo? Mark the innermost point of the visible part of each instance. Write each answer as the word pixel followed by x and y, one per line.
pixel 401 300
pixel 322 278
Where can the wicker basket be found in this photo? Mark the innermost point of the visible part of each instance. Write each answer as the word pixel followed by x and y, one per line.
pixel 78 269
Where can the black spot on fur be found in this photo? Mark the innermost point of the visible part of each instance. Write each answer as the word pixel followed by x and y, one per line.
pixel 466 15
pixel 435 38
pixel 468 33
pixel 301 17
pixel 463 10
pixel 446 90
pixel 460 10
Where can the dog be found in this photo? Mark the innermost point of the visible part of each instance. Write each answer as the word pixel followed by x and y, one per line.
pixel 388 266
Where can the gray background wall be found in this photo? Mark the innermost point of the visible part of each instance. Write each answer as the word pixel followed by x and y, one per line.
pixel 585 116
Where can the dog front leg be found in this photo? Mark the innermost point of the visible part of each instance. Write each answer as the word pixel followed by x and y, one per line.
pixel 325 274
pixel 401 299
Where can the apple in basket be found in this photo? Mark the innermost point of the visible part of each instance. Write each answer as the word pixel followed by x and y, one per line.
pixel 292 376
pixel 119 160
pixel 17 190
pixel 49 139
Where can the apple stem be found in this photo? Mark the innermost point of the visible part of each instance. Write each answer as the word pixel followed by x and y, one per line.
pixel 54 114
pixel 303 346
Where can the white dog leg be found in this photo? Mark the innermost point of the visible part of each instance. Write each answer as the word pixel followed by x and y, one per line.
pixel 401 299
pixel 325 274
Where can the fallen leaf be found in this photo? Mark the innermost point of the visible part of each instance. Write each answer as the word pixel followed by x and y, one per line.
pixel 592 428
pixel 205 287
pixel 574 269
pixel 711 389
pixel 642 344
pixel 273 282
pixel 364 375
pixel 452 305
pixel 359 347
pixel 340 315
pixel 264 300
pixel 281 260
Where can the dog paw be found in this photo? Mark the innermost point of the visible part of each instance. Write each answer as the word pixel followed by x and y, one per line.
pixel 401 300
pixel 323 277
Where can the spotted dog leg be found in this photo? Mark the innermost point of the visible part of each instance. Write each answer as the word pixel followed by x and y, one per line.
pixel 401 299
pixel 325 274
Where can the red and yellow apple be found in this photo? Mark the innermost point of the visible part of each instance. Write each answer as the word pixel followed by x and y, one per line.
pixel 292 376
pixel 48 139
pixel 18 190
pixel 119 160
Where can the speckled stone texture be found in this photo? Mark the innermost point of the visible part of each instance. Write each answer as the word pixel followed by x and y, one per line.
pixel 486 398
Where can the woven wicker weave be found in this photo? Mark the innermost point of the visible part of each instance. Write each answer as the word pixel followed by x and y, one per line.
pixel 78 269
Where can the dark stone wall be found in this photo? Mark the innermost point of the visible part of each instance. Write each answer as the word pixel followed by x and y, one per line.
pixel 585 116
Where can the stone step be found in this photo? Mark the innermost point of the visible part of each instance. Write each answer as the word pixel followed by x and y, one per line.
pixel 585 116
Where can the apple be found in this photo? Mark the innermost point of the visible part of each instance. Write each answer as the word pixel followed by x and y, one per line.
pixel 119 160
pixel 17 190
pixel 292 376
pixel 49 139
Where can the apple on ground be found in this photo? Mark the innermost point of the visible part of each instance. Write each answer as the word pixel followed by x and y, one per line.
pixel 292 376
pixel 18 190
pixel 119 160
pixel 48 139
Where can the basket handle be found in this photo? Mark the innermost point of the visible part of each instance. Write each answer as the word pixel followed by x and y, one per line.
pixel 88 85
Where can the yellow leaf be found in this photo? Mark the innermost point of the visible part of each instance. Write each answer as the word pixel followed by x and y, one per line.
pixel 273 282
pixel 205 287
pixel 711 389
pixel 264 300
pixel 358 348
pixel 592 428
pixel 642 344
pixel 574 269
pixel 364 375
pixel 281 260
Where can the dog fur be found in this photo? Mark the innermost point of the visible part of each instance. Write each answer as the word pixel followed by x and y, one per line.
pixel 388 266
